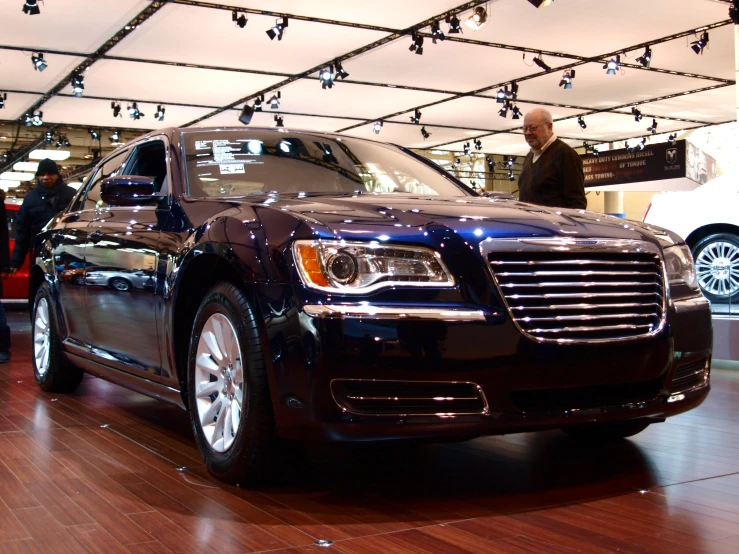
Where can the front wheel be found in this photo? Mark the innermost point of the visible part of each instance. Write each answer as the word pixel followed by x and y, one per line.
pixel 120 284
pixel 229 401
pixel 717 267
pixel 606 432
pixel 53 372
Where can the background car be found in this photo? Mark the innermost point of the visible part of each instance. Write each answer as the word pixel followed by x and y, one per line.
pixel 15 288
pixel 708 219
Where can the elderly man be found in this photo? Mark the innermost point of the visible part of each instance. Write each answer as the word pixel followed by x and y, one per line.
pixel 552 172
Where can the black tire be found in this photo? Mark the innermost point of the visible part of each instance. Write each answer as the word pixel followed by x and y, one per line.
pixel 53 373
pixel 119 283
pixel 246 460
pixel 703 253
pixel 606 432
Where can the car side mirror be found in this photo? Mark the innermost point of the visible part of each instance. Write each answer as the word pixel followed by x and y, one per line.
pixel 128 190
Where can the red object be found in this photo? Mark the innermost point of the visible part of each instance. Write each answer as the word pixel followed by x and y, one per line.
pixel 15 288
pixel 646 212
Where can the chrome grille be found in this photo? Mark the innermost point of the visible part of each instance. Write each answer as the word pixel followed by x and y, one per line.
pixel 582 296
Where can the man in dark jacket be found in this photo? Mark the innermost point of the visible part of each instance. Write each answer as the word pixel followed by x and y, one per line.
pixel 42 203
pixel 552 172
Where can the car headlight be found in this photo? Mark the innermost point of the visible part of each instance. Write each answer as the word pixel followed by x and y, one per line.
pixel 357 268
pixel 679 266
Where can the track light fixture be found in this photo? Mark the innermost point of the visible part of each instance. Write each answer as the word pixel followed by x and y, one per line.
pixel 159 114
pixel 62 141
pixel 48 137
pixel 35 119
pixel 377 127
pixel 278 121
pixel 424 133
pixel 613 65
pixel 638 146
pixel 466 148
pixel 591 149
pixel 513 94
pixel 672 139
pixel 78 85
pixel 477 19
pixel 115 137
pixel 239 19
pixel 653 127
pixel 478 144
pixel 436 32
pixel 341 73
pixel 511 176
pixel 646 58
pixel 454 27
pixel 417 45
pixel 134 112
pixel 540 3
pixel 278 30
pixel 258 103
pixel 502 95
pixel 504 110
pixel 541 63
pixel 416 117
pixel 516 113
pixel 3 98
pixel 246 113
pixel 94 134
pixel 699 45
pixel 581 122
pixel 637 114
pixel 456 163
pixel 326 76
pixel 509 161
pixel 31 7
pixel 39 64
pixel 274 101
pixel 567 77
pixel 116 107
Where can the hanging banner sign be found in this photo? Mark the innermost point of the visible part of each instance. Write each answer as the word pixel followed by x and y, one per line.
pixel 655 162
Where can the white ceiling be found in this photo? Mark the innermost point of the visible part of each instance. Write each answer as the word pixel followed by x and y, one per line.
pixel 453 83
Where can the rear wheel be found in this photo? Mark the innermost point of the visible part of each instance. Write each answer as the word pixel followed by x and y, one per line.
pixel 606 432
pixel 717 267
pixel 53 372
pixel 120 284
pixel 229 401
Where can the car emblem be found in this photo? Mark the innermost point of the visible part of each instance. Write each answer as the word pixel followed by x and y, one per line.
pixel 671 155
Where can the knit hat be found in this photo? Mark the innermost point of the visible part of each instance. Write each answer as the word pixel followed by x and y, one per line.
pixel 47 166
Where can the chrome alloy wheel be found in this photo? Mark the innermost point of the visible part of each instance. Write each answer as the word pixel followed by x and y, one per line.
pixel 219 382
pixel 42 337
pixel 717 268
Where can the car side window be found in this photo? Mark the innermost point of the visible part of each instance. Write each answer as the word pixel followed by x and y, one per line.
pixel 111 167
pixel 150 160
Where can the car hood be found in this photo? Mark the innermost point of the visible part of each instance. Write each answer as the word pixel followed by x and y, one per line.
pixel 401 217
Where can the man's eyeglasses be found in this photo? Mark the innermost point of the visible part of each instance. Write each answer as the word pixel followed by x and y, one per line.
pixel 531 128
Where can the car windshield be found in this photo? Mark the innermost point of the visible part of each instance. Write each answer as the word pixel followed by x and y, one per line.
pixel 236 163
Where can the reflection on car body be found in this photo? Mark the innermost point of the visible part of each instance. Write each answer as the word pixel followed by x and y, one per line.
pixel 320 287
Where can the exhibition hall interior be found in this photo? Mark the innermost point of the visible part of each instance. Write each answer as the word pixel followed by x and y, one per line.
pixel 427 276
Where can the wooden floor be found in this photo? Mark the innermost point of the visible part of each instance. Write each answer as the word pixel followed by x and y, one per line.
pixel 106 470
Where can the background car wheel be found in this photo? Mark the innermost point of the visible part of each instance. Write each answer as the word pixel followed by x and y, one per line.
pixel 717 267
pixel 119 284
pixel 53 372
pixel 229 401
pixel 606 432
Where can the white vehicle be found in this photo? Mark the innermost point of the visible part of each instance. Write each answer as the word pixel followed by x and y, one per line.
pixel 708 219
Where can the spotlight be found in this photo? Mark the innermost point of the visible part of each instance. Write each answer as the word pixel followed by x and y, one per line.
pixel 613 65
pixel 340 71
pixel 466 148
pixel 478 144
pixel 653 127
pixel 278 29
pixel 417 45
pixel 116 107
pixel 567 77
pixel 240 20
pixel 134 112
pixel 595 152
pixel 48 137
pixel 436 32
pixel 3 98
pixel 637 114
pixel 424 133
pixel 501 95
pixel 700 44
pixel 115 137
pixel 37 119
pixel 456 163
pixel 504 110
pixel 62 140
pixel 78 85
pixel 246 114
pixel 646 58
pixel 540 3
pixel 540 62
pixel 516 113
pixel 581 122
pixel 477 19
pixel 94 134
pixel 416 117
pixel 326 76
pixel 377 127
pixel 454 27
pixel 31 7
pixel 510 161
pixel 511 176
pixel 159 114
pixel 274 101
pixel 672 139
pixel 489 160
pixel 514 91
pixel 258 103
pixel 39 64
pixel 278 121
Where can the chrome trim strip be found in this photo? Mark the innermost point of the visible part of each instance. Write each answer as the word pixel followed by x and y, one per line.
pixel 589 329
pixel 568 273
pixel 584 295
pixel 587 284
pixel 354 311
pixel 585 306
pixel 592 317
pixel 482 397
pixel 557 262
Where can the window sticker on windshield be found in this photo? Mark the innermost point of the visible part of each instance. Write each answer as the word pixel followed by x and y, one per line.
pixel 202 144
pixel 231 168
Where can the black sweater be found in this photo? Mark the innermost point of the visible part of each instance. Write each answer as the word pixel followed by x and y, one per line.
pixel 555 180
